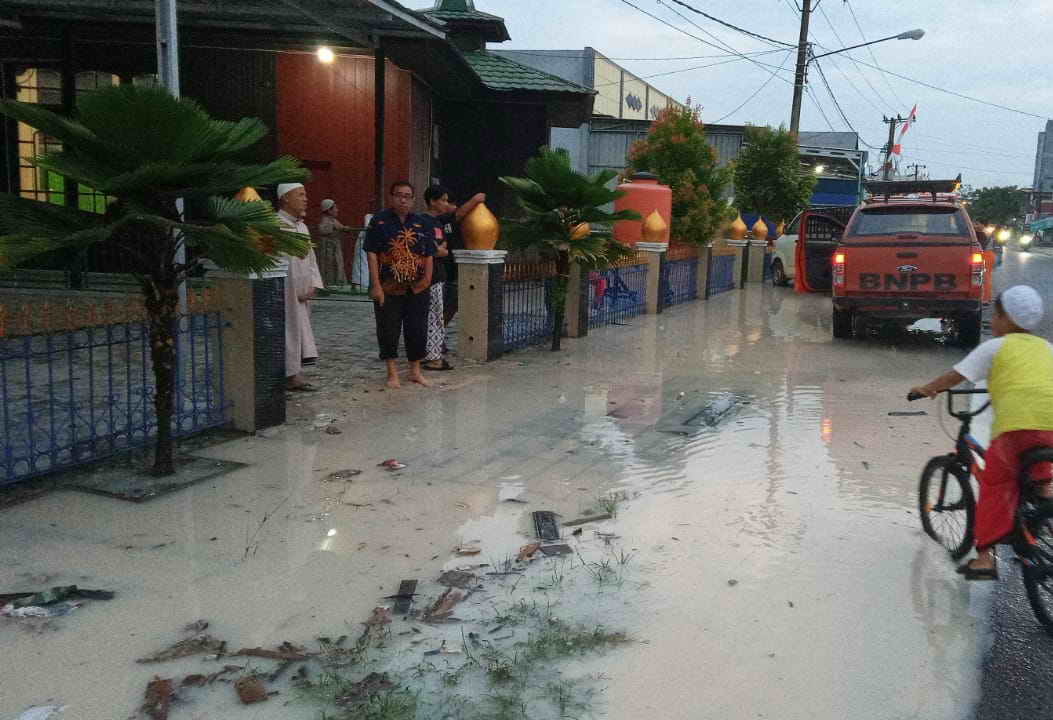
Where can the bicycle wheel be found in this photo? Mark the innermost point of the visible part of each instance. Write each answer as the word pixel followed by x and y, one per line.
pixel 946 504
pixel 1038 571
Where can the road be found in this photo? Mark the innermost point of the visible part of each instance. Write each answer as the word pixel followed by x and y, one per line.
pixel 1018 668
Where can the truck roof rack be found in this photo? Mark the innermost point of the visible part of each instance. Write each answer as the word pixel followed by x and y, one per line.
pixel 888 188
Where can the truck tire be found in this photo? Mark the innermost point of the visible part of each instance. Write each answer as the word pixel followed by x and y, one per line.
pixel 842 324
pixel 778 274
pixel 969 327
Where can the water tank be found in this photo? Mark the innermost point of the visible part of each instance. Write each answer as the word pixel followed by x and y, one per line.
pixel 644 194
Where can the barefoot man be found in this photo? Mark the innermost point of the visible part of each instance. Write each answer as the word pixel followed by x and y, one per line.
pixel 400 246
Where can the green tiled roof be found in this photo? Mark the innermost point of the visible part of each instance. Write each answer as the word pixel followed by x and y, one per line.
pixel 501 73
pixel 467 15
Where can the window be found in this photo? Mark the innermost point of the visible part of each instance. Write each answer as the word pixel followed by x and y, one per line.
pixel 43 86
pixel 919 221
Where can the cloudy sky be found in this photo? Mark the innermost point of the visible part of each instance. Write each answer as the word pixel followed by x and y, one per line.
pixel 997 51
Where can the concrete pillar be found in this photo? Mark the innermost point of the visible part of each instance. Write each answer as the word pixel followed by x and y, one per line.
pixel 253 316
pixel 655 255
pixel 741 247
pixel 480 275
pixel 577 310
pixel 705 258
pixel 756 261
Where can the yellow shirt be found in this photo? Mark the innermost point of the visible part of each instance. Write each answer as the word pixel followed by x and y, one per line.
pixel 1019 372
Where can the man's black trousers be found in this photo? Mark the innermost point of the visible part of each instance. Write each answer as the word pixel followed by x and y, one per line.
pixel 405 315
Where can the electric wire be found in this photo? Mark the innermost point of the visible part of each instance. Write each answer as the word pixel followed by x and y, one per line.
pixel 756 92
pixel 870 49
pixel 837 35
pixel 733 27
pixel 837 105
pixel 811 96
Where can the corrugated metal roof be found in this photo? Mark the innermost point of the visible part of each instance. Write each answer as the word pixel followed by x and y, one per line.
pixel 501 73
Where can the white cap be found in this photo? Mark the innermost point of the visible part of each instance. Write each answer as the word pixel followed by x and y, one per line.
pixel 328 204
pixel 1023 305
pixel 286 188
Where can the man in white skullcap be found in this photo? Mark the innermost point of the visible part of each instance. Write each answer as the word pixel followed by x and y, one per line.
pixel 1018 368
pixel 302 281
pixel 330 244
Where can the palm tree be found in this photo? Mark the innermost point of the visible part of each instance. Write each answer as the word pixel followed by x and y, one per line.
pixel 144 150
pixel 558 206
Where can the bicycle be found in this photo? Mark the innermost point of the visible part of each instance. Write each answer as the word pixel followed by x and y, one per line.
pixel 947 506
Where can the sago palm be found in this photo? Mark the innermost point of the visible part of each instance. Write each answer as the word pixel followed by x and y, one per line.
pixel 558 207
pixel 144 150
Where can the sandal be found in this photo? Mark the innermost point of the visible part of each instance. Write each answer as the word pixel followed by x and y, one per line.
pixel 967 571
pixel 306 387
pixel 434 365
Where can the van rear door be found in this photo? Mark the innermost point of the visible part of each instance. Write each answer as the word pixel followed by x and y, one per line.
pixel 911 250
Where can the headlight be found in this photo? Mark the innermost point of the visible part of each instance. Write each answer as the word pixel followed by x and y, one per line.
pixel 1004 235
pixel 989 229
pixel 1025 239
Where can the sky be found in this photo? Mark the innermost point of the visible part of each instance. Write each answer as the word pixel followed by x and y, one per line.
pixel 997 51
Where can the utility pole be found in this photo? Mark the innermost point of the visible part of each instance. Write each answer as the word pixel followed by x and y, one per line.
pixel 800 78
pixel 892 123
pixel 916 167
pixel 168 74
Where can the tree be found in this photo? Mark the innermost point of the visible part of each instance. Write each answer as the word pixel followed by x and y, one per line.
pixel 997 205
pixel 768 176
pixel 558 204
pixel 145 149
pixel 676 150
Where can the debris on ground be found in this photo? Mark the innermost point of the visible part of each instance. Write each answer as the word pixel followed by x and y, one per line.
pixel 333 430
pixel 443 651
pixel 58 609
pixel 41 712
pixel 380 616
pixel 360 692
pixel 392 465
pixel 287 651
pixel 322 420
pixel 733 582
pixel 442 608
pixel 527 551
pixel 157 698
pixel 468 550
pixel 404 597
pixel 545 525
pixel 517 501
pixel 458 579
pixel 250 690
pixel 54 595
pixel 588 519
pixel 200 643
pixel 577 533
pixel 556 550
pixel 907 413
pixel 341 475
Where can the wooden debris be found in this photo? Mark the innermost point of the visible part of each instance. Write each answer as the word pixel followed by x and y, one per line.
pixel 527 551
pixel 442 608
pixel 250 690
pixel 197 645
pixel 458 579
pixel 157 698
pixel 287 651
pixel 588 519
pixel 372 684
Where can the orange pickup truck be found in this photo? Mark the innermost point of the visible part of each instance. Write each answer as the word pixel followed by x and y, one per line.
pixel 910 252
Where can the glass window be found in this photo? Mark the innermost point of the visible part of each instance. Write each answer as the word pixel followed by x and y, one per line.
pixel 918 221
pixel 93 80
pixel 40 86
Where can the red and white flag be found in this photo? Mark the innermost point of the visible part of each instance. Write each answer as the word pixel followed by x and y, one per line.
pixel 906 124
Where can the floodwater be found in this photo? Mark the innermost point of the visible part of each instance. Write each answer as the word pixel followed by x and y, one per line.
pixel 779 570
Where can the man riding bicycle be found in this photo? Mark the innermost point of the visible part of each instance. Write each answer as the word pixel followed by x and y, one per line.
pixel 1018 368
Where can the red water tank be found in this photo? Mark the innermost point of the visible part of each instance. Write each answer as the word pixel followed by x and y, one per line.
pixel 644 194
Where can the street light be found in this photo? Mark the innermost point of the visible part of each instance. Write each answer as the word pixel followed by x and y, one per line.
pixel 805 56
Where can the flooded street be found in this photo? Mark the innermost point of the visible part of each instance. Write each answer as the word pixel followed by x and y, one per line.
pixel 765 494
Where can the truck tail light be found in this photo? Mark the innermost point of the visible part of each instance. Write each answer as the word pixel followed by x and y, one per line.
pixel 977 264
pixel 839 269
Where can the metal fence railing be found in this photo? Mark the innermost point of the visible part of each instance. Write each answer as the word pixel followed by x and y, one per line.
pixel 721 274
pixel 678 282
pixel 70 396
pixel 526 307
pixel 616 294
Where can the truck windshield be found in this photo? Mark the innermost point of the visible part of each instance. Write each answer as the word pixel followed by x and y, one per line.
pixel 915 220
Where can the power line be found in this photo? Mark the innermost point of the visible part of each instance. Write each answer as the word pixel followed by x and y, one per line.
pixel 758 90
pixel 870 49
pixel 696 37
pixel 733 27
pixel 811 96
pixel 838 105
pixel 579 53
pixel 671 72
pixel 837 35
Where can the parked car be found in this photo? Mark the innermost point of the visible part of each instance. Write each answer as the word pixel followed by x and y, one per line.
pixel 910 257
pixel 783 262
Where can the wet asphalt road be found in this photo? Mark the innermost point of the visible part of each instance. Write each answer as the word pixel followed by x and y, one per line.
pixel 1018 668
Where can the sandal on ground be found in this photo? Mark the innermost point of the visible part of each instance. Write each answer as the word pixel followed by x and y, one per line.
pixel 437 366
pixel 967 571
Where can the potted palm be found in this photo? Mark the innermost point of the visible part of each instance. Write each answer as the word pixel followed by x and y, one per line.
pixel 558 209
pixel 144 150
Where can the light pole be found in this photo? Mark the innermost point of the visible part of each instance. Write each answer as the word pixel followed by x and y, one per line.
pixel 804 57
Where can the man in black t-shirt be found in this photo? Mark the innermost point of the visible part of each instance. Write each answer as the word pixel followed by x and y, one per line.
pixel 444 216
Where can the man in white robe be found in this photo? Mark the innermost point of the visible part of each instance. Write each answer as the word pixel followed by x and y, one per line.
pixel 301 282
